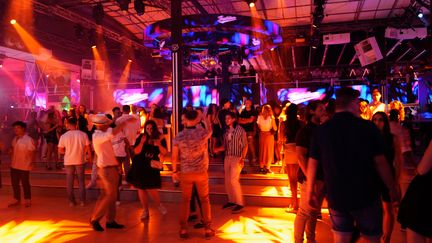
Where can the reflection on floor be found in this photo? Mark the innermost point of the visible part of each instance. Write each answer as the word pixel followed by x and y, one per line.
pixel 50 219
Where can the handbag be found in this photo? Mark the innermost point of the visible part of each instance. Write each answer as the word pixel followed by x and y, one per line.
pixel 155 164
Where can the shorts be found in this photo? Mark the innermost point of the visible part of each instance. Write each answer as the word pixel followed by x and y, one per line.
pixel 290 155
pixel 368 220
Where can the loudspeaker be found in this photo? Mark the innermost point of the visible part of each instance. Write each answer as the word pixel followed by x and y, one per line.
pixel 368 51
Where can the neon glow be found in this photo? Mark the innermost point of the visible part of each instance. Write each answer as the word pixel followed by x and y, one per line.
pixel 301 95
pixel 222 19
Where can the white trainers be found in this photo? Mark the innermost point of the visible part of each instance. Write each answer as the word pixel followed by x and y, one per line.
pixel 145 214
pixel 162 209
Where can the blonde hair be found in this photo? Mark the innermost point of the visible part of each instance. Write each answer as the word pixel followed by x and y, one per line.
pixel 397 105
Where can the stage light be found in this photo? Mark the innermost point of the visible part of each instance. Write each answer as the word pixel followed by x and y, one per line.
pixel 251 3
pixel 139 7
pixel 129 60
pixel 123 4
pixel 13 21
pixel 420 14
pixel 93 46
pixel 272 49
pixel 98 13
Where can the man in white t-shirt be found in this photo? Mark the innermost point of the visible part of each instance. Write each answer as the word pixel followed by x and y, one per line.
pixel 75 145
pixel 108 170
pixel 23 147
pixel 376 105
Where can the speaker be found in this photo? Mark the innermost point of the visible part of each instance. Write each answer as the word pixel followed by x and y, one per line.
pixel 368 51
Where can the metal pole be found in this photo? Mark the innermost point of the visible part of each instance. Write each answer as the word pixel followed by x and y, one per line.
pixel 176 34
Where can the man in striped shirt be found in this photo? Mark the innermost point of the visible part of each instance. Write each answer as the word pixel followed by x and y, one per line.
pixel 235 147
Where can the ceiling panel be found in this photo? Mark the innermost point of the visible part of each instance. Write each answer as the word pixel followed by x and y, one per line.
pixel 341 7
pixel 339 18
pixel 370 5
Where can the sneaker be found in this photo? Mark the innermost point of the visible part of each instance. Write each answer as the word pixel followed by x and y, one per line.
pixel 27 203
pixel 237 209
pixel 14 204
pixel 162 209
pixel 229 205
pixel 209 233
pixel 96 226
pixel 114 225
pixel 145 214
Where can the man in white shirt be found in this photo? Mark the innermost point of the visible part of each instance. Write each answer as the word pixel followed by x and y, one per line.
pixel 75 145
pixel 376 104
pixel 108 170
pixel 22 150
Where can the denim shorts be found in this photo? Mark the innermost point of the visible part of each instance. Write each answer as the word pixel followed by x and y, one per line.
pixel 368 220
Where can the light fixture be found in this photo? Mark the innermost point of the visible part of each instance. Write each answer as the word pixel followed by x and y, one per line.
pixel 129 60
pixel 13 21
pixel 98 13
pixel 251 3
pixel 123 4
pixel 272 49
pixel 420 14
pixel 93 46
pixel 139 7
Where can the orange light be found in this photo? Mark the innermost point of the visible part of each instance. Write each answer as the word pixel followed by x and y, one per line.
pixel 13 21
pixel 93 46
pixel 251 5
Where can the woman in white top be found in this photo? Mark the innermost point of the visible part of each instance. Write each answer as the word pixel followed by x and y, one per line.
pixel 267 126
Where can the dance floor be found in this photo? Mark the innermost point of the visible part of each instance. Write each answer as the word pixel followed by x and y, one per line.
pixel 50 219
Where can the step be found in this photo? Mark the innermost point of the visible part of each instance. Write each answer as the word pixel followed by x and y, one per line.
pixel 266 196
pixel 214 177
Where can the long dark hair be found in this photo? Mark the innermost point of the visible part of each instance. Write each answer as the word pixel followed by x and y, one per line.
pixel 292 124
pixel 388 137
pixel 210 109
pixel 155 133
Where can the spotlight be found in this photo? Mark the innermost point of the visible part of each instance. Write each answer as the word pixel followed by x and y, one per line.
pixel 93 46
pixel 129 60
pixel 13 21
pixel 420 14
pixel 272 49
pixel 139 7
pixel 98 13
pixel 123 4
pixel 251 3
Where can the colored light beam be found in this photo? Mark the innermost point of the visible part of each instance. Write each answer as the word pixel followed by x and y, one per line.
pixel 17 81
pixel 125 75
pixel 21 11
pixel 34 47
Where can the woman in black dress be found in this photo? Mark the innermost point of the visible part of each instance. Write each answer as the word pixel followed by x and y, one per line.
pixel 149 146
pixel 392 155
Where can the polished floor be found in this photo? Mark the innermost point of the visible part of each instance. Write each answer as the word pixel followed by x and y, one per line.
pixel 50 219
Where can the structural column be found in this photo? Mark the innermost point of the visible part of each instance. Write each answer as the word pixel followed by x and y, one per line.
pixel 177 79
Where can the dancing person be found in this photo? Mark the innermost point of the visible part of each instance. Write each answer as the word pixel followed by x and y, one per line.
pixel 23 147
pixel 306 218
pixel 235 146
pixel 376 104
pixel 108 170
pixel 51 137
pixel 267 126
pixel 247 120
pixel 75 145
pixel 190 149
pixel 365 111
pixel 212 113
pixel 351 153
pixel 415 210
pixel 288 133
pixel 391 153
pixel 149 147
pixel 277 112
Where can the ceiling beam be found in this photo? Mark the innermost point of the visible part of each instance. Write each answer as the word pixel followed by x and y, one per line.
pixel 198 5
pixel 401 56
pixel 418 55
pixel 358 11
pixel 293 56
pixel 394 47
pixel 264 9
pixel 341 53
pixel 324 55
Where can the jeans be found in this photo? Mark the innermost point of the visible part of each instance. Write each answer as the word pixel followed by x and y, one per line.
pixel 22 176
pixel 252 156
pixel 232 169
pixel 105 205
pixel 306 217
pixel 369 220
pixel 201 181
pixel 70 177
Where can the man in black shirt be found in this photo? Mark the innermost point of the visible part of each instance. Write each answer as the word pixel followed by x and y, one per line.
pixel 247 120
pixel 306 217
pixel 351 153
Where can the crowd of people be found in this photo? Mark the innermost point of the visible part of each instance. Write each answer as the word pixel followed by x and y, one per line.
pixel 356 155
